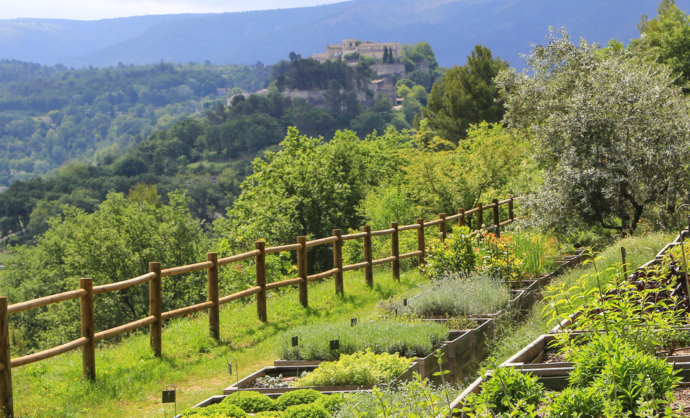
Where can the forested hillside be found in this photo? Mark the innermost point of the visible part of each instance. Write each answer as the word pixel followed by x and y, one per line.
pixel 74 135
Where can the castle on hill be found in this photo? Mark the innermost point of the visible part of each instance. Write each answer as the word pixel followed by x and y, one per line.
pixel 367 49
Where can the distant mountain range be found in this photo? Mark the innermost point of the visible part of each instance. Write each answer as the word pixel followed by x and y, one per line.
pixel 452 27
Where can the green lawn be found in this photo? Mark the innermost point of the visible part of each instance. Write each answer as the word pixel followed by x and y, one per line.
pixel 129 381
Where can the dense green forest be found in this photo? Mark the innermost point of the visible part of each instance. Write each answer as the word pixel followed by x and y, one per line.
pixel 206 154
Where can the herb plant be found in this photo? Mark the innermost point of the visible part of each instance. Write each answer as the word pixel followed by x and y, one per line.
pixel 578 402
pixel 410 339
pixel 298 397
pixel 458 296
pixel 361 368
pixel 250 401
pixel 505 388
pixel 306 411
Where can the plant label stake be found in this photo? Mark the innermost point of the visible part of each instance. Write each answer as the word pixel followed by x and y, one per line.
pixel 295 341
pixel 237 372
pixel 169 396
pixel 405 302
pixel 354 320
pixel 335 345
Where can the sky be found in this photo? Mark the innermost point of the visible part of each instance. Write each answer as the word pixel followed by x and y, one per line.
pixel 103 9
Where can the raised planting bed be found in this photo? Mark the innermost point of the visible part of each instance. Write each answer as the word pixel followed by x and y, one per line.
pixel 542 358
pixel 609 371
pixel 276 380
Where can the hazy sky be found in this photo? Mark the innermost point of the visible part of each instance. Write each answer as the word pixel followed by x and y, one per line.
pixel 101 9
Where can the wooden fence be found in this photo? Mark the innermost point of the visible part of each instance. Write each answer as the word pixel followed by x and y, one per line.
pixel 87 290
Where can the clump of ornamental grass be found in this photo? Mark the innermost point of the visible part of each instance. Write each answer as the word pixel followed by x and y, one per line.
pixel 409 338
pixel 457 296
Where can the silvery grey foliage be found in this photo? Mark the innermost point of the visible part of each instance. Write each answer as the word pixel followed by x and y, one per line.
pixel 610 130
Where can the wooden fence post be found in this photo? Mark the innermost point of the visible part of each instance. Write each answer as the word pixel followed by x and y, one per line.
pixel 369 269
pixel 461 219
pixel 395 251
pixel 442 227
pixel 155 308
pixel 88 351
pixel 260 264
pixel 420 241
pixel 302 271
pixel 6 399
pixel 511 215
pixel 338 262
pixel 213 311
pixel 480 216
pixel 497 219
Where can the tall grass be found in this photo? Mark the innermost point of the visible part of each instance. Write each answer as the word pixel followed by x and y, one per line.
pixel 410 339
pixel 457 296
pixel 537 251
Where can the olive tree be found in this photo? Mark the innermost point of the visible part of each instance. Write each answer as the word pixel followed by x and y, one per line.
pixel 609 129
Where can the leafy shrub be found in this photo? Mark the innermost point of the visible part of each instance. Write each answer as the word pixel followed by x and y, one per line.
pixel 417 398
pixel 498 258
pixel 458 297
pixel 359 368
pixel 331 403
pixel 505 388
pixel 306 411
pixel 631 377
pixel 577 402
pixel 269 414
pixel 454 255
pixel 410 339
pixel 250 401
pixel 224 410
pixel 297 397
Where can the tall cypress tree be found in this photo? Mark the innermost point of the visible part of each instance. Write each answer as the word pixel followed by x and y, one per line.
pixel 385 54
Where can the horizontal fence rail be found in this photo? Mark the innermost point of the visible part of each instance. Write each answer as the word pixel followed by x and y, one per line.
pixel 155 275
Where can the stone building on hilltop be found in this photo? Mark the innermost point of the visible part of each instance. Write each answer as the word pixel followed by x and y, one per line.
pixel 366 49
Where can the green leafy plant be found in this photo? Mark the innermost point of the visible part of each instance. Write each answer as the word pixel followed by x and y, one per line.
pixel 535 250
pixel 504 389
pixel 409 338
pixel 224 410
pixel 416 398
pixel 250 401
pixel 297 397
pixel 361 368
pixel 453 255
pixel 331 403
pixel 497 257
pixel 269 414
pixel 578 402
pixel 306 411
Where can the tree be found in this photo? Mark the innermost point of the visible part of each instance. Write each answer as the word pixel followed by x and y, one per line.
pixel 667 38
pixel 114 243
pixel 610 130
pixel 466 95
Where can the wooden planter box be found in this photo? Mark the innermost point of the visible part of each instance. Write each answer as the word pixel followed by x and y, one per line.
pixel 554 375
pixel 244 384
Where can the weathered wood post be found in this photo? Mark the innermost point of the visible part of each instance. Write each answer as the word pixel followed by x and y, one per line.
pixel 420 241
pixel 260 265
pixel 302 271
pixel 6 399
pixel 511 215
pixel 338 262
pixel 497 219
pixel 213 311
pixel 88 351
pixel 442 227
pixel 395 251
pixel 368 257
pixel 155 308
pixel 480 216
pixel 461 219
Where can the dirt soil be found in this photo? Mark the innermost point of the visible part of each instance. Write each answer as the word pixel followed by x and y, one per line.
pixel 552 356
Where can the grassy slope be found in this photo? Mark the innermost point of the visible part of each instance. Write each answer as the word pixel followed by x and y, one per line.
pixel 129 382
pixel 511 338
